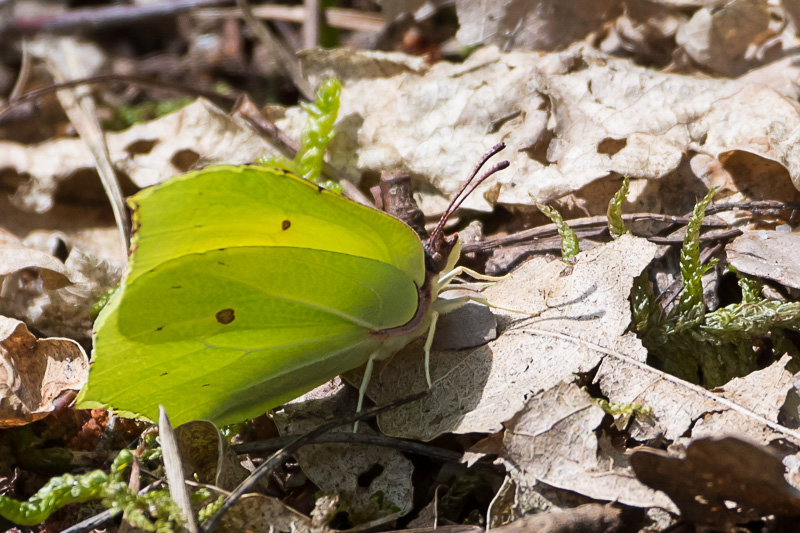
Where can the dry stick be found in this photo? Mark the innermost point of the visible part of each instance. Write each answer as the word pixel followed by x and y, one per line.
pixel 282 455
pixel 224 101
pixel 708 237
pixel 287 60
pixel 24 72
pixel 754 206
pixel 311 23
pixel 173 469
pixel 549 230
pixel 103 17
pixel 346 19
pixel 402 445
pixel 82 114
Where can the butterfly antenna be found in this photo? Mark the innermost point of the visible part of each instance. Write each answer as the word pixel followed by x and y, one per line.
pixel 460 196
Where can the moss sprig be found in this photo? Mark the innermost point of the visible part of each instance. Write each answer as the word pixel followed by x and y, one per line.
pixel 153 511
pixel 569 240
pixel 317 134
pixel 616 226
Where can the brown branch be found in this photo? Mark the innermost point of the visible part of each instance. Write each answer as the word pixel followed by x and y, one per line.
pixel 224 101
pixel 549 230
pixel 103 17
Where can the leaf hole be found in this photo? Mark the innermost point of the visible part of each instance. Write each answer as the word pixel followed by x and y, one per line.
pixel 366 478
pixel 226 316
pixel 183 160
pixel 141 147
pixel 539 149
pixel 611 146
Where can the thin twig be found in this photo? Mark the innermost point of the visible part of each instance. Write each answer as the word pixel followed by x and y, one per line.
pixel 24 73
pixel 349 437
pixel 311 23
pixel 336 17
pixel 225 101
pixel 708 237
pixel 755 206
pixel 550 230
pixel 104 17
pixel 82 114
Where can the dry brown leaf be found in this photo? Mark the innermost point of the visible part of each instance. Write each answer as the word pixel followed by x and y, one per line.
pixel 679 406
pixel 720 482
pixel 35 372
pixel 66 312
pixel 148 153
pixel 478 390
pixel 552 440
pixel 733 38
pixel 354 472
pixel 256 512
pixel 16 256
pixel 525 24
pixel 569 119
pixel 767 254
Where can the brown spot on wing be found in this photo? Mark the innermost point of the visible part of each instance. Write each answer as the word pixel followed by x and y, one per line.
pixel 226 316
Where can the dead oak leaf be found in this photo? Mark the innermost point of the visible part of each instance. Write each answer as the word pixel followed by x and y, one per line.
pixel 34 372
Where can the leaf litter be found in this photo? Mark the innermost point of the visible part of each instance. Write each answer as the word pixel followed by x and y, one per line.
pixel 572 119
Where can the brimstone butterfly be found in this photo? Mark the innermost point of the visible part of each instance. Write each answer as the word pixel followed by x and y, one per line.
pixel 249 286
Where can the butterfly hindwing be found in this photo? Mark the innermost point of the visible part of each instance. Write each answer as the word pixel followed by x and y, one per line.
pixel 247 288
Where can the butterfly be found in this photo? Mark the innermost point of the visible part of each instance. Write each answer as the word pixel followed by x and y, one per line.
pixel 248 286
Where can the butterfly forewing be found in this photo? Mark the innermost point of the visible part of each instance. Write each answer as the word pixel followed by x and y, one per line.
pixel 228 206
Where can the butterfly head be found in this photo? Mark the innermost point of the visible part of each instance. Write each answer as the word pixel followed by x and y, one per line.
pixel 438 249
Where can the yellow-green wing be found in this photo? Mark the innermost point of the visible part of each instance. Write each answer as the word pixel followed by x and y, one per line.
pixel 228 312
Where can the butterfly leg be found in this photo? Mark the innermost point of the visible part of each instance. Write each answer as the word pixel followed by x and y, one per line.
pixel 362 390
pixel 428 343
pixel 445 279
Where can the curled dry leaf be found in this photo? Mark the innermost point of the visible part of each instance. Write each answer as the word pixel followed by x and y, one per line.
pixel 15 256
pixel 732 38
pixel 35 372
pixel 66 311
pixel 720 481
pixel 767 254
